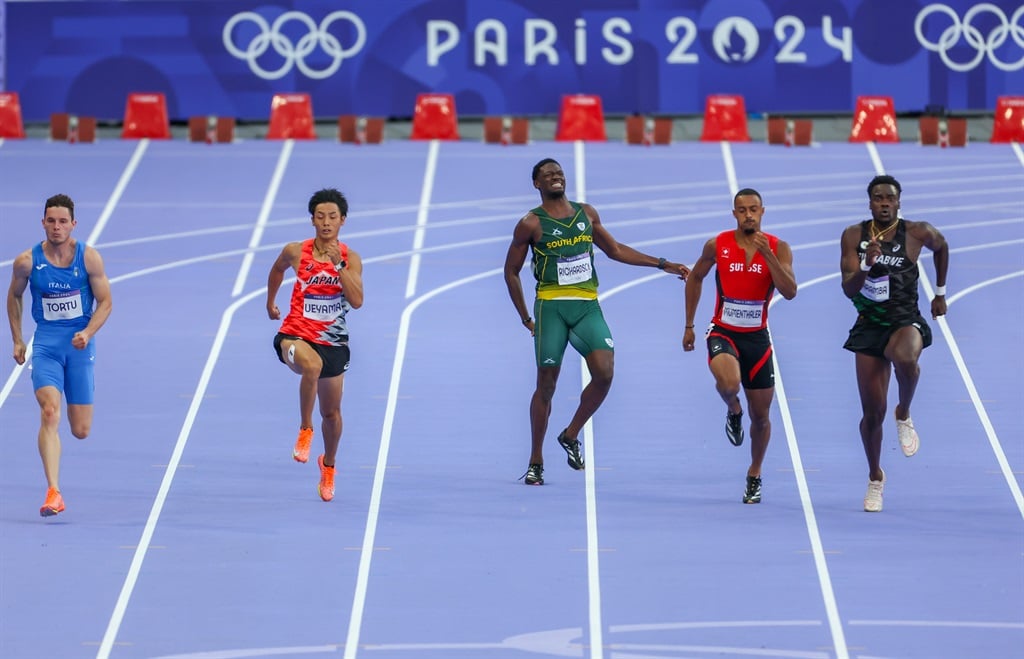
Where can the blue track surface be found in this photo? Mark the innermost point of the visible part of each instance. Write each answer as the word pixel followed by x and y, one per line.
pixel 190 532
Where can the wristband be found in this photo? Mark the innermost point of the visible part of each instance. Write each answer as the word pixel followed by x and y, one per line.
pixel 689 327
pixel 661 264
pixel 527 320
pixel 340 265
pixel 864 265
pixel 940 291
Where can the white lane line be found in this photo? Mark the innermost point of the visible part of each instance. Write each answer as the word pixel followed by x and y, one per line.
pixel 965 375
pixel 1019 151
pixel 121 606
pixel 828 595
pixel 972 391
pixel 590 474
pixel 420 236
pixel 373 512
pixel 261 220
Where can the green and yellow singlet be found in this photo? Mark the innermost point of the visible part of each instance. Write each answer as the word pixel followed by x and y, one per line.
pixel 563 258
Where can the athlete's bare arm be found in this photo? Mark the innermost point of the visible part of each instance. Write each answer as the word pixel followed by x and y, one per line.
pixel 19 282
pixel 933 239
pixel 526 233
pixel 100 286
pixel 351 277
pixel 694 285
pixel 623 253
pixel 287 259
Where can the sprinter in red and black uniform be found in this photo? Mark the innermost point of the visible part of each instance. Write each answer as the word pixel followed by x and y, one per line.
pixel 313 339
pixel 749 267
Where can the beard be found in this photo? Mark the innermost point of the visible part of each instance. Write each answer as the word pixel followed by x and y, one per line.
pixel 748 231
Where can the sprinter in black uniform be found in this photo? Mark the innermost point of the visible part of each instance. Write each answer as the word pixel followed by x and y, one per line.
pixel 880 275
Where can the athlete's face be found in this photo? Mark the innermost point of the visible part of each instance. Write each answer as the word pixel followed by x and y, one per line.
pixel 747 210
pixel 884 203
pixel 327 220
pixel 550 180
pixel 58 223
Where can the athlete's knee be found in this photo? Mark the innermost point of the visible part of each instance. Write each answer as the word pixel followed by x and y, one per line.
pixel 727 385
pixel 873 417
pixel 602 374
pixel 49 413
pixel 760 420
pixel 906 364
pixel 81 429
pixel 546 390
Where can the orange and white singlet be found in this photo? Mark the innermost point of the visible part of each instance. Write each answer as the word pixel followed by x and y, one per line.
pixel 744 290
pixel 318 305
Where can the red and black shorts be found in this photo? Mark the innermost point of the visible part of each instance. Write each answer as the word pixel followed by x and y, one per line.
pixel 753 350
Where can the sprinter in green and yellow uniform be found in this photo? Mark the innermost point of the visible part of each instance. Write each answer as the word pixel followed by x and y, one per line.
pixel 560 235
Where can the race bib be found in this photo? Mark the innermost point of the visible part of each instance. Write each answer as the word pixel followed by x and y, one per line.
pixel 876 289
pixel 62 306
pixel 575 269
pixel 321 307
pixel 742 313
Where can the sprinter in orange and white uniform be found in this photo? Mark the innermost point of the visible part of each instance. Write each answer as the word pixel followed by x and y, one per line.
pixel 313 339
pixel 750 267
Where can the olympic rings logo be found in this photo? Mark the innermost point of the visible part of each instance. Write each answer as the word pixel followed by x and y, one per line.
pixel 1008 27
pixel 294 54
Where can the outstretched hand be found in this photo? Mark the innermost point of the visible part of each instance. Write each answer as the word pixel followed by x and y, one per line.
pixel 677 269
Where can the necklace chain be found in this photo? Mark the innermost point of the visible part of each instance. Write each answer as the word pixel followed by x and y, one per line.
pixel 876 234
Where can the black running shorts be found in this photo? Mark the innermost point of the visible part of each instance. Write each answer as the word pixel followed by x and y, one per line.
pixel 335 358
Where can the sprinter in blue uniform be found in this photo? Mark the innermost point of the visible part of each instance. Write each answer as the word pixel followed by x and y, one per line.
pixel 70 302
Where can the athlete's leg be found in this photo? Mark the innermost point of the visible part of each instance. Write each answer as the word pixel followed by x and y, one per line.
pixel 759 402
pixel 550 337
pixel 601 365
pixel 329 391
pixel 301 358
pixel 903 350
pixel 49 441
pixel 540 410
pixel 80 420
pixel 726 370
pixel 873 374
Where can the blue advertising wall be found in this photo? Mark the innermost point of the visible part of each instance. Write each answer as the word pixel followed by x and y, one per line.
pixel 372 57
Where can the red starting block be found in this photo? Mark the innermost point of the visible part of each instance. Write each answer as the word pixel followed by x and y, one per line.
pixel 360 130
pixel 725 119
pixel 790 132
pixel 506 130
pixel 211 129
pixel 291 118
pixel 10 116
pixel 581 118
pixel 66 127
pixel 145 116
pixel 435 118
pixel 1008 124
pixel 874 120
pixel 942 131
pixel 648 130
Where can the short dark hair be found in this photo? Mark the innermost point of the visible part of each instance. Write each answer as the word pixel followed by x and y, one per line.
pixel 747 191
pixel 328 196
pixel 546 161
pixel 884 179
pixel 60 201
